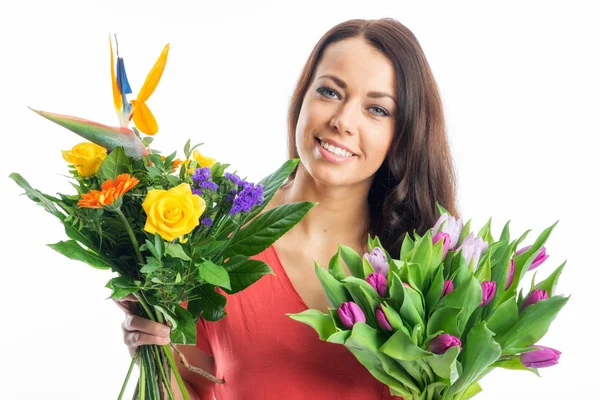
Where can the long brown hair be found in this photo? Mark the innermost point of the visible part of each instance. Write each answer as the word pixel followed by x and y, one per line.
pixel 418 170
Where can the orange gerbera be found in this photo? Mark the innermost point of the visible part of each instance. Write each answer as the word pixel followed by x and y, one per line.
pixel 110 192
pixel 176 163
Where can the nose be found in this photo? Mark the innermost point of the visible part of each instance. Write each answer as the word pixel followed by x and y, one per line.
pixel 345 120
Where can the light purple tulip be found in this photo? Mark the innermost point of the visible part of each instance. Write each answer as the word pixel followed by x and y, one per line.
pixel 448 287
pixel 545 357
pixel 441 343
pixel 539 259
pixel 534 297
pixel 446 241
pixel 452 226
pixel 511 274
pixel 378 261
pixel 350 313
pixel 382 320
pixel 488 290
pixel 379 283
pixel 472 248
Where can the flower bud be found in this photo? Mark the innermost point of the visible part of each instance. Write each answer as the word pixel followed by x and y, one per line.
pixel 452 226
pixel 488 290
pixel 379 283
pixel 539 259
pixel 441 343
pixel 350 313
pixel 448 287
pixel 545 357
pixel 511 274
pixel 382 320
pixel 378 261
pixel 446 238
pixel 472 248
pixel 534 297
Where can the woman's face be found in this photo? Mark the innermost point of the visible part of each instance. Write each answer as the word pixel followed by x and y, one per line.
pixel 346 123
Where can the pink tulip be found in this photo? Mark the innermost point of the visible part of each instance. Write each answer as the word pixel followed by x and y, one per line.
pixel 539 259
pixel 545 357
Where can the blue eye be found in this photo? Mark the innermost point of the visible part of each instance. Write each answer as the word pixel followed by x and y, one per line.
pixel 325 91
pixel 382 112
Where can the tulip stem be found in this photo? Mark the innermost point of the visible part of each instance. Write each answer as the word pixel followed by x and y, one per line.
pixel 197 370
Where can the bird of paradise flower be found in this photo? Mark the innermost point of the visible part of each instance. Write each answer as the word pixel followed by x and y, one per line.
pixel 110 137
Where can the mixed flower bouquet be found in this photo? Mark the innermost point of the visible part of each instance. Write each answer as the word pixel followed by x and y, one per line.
pixel 432 323
pixel 172 230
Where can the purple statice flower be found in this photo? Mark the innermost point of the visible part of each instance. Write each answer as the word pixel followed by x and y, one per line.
pixel 233 178
pixel 206 221
pixel 201 181
pixel 231 195
pixel 208 185
pixel 249 197
pixel 197 192
pixel 201 175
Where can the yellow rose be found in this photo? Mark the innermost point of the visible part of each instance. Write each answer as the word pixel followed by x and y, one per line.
pixel 174 212
pixel 86 157
pixel 203 160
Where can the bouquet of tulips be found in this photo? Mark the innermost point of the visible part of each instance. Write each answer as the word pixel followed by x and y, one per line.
pixel 432 323
pixel 172 230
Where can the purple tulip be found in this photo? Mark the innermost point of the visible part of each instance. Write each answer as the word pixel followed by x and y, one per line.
pixel 488 290
pixel 350 313
pixel 452 226
pixel 378 261
pixel 546 357
pixel 448 287
pixel 446 241
pixel 511 274
pixel 441 343
pixel 379 283
pixel 539 259
pixel 472 247
pixel 534 297
pixel 382 320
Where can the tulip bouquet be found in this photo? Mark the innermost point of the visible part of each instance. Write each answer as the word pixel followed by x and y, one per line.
pixel 432 323
pixel 173 231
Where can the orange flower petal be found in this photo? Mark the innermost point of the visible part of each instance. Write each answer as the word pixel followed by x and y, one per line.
pixel 115 87
pixel 143 118
pixel 153 76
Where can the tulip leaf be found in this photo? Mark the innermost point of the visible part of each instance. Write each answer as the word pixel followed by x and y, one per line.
pixel 400 347
pixel 533 323
pixel 364 343
pixel 467 296
pixel 244 272
pixel 339 337
pixel 441 209
pixel 265 229
pixel 367 267
pixel 471 391
pixel 444 319
pixel 513 363
pixel 505 235
pixel 74 251
pixel 320 322
pixel 407 245
pixel 549 284
pixel 485 232
pixel 464 233
pixel 500 276
pixel 435 290
pixel 422 253
pixel 504 317
pixel 479 352
pixel 353 261
pixel 335 266
pixel 364 295
pixel 114 164
pixel 213 274
pixel 445 365
pixel 334 289
pixel 484 272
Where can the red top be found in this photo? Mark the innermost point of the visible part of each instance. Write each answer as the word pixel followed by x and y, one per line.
pixel 261 353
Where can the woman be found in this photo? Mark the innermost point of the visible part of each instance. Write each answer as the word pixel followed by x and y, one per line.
pixel 366 122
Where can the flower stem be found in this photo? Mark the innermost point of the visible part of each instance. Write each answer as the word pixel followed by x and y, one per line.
pixel 142 380
pixel 136 246
pixel 138 295
pixel 197 370
pixel 159 358
pixel 169 355
pixel 133 360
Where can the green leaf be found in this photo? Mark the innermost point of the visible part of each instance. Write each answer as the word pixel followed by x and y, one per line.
pixel 407 245
pixel 152 264
pixel 214 274
pixel 121 287
pixel 211 305
pixel 441 209
pixel 480 351
pixel 319 321
pixel 364 295
pixel 244 272
pixel 549 284
pixel 400 347
pixel 335 266
pixel 175 250
pixel 114 164
pixel 504 317
pixel 467 296
pixel 185 333
pixel 74 251
pixel 422 254
pixel 444 319
pixel 484 272
pixel 464 233
pixel 505 235
pixel 43 200
pixel 263 231
pixel 353 261
pixel 334 289
pixel 471 391
pixel 445 365
pixel 339 337
pixel 533 323
pixel 485 232
pixel 159 245
pixel 435 290
pixel 513 363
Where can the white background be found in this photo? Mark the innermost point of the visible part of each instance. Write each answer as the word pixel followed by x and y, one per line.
pixel 520 87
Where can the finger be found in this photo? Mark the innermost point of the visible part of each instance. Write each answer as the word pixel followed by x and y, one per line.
pixel 127 306
pixel 137 338
pixel 135 323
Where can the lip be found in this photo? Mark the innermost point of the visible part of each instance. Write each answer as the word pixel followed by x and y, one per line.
pixel 333 158
pixel 336 144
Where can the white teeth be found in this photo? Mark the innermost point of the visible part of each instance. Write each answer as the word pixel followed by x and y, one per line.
pixel 335 150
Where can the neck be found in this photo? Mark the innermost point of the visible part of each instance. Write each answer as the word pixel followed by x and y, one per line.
pixel 341 217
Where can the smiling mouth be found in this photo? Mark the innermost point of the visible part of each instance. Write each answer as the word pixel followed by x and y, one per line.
pixel 333 149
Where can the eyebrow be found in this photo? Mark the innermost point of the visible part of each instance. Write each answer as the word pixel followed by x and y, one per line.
pixel 372 93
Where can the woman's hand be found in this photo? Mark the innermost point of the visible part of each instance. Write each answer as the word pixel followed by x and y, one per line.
pixel 138 330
